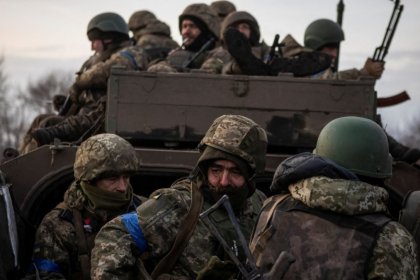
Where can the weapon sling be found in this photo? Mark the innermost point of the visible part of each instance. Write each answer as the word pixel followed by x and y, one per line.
pixel 187 228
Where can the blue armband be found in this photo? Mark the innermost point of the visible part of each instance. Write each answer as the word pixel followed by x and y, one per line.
pixel 132 225
pixel 45 265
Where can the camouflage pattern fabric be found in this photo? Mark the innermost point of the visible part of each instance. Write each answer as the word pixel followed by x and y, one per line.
pixel 394 255
pixel 160 217
pixel 204 13
pixel 104 153
pixel 56 239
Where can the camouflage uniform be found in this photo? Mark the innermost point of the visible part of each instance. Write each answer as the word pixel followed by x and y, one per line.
pixel 227 64
pixel 203 16
pixel 88 92
pixel 334 220
pixel 156 39
pixel 222 8
pixel 57 250
pixel 118 254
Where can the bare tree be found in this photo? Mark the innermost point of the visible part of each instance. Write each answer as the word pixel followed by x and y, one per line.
pixel 411 137
pixel 18 107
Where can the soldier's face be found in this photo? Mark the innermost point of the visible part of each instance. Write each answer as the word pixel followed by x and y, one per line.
pixel 189 31
pixel 225 177
pixel 97 46
pixel 331 51
pixel 245 29
pixel 114 184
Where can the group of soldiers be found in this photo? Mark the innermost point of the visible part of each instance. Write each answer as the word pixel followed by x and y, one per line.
pixel 329 212
pixel 330 209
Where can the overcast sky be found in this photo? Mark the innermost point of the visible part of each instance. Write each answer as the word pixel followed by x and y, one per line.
pixel 38 37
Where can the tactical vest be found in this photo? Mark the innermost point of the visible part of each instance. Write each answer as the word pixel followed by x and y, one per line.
pixel 179 58
pixel 326 245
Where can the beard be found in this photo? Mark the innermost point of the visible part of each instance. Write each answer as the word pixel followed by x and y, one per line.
pixel 237 196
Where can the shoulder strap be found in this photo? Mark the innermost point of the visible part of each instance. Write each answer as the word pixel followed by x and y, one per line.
pixel 184 234
pixel 277 200
pixel 83 250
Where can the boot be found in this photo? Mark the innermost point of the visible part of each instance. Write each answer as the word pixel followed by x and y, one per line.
pixel 62 131
pixel 240 49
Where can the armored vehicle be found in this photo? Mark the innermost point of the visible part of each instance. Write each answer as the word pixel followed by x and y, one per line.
pixel 164 115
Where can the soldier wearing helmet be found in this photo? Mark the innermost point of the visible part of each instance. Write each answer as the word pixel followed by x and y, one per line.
pixel 245 23
pixel 243 53
pixel 199 27
pixel 108 33
pixel 223 8
pixel 232 154
pixel 332 210
pixel 101 191
pixel 325 35
pixel 153 35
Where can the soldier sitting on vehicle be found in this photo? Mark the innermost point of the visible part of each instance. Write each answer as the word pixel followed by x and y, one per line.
pixel 325 35
pixel 199 27
pixel 100 192
pixel 232 153
pixel 269 63
pixel 85 106
pixel 153 35
pixel 331 212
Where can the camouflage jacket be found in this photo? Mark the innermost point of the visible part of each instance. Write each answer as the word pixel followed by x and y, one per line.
pixel 393 256
pixel 56 254
pixel 113 256
pixel 177 57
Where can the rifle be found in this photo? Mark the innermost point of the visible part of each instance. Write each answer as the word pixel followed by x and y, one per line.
pixel 273 47
pixel 248 269
pixel 340 12
pixel 382 50
pixel 204 48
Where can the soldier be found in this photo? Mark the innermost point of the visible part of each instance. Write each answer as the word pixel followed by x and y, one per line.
pixel 331 214
pixel 267 63
pixel 108 33
pixel 223 8
pixel 325 35
pixel 232 153
pixel 245 23
pixel 153 35
pixel 199 27
pixel 100 192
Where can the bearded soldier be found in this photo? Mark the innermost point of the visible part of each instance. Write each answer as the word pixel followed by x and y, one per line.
pixel 100 192
pixel 199 27
pixel 232 153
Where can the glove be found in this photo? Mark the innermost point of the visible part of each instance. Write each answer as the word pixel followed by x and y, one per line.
pixel 217 269
pixel 374 68
pixel 58 101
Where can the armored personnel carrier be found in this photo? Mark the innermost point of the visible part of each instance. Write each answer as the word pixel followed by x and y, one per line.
pixel 164 115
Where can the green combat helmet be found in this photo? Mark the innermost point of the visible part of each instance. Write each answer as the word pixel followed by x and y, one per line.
pixel 138 20
pixel 322 32
pixel 358 144
pixel 102 155
pixel 238 136
pixel 238 17
pixel 223 8
pixel 107 26
pixel 203 13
